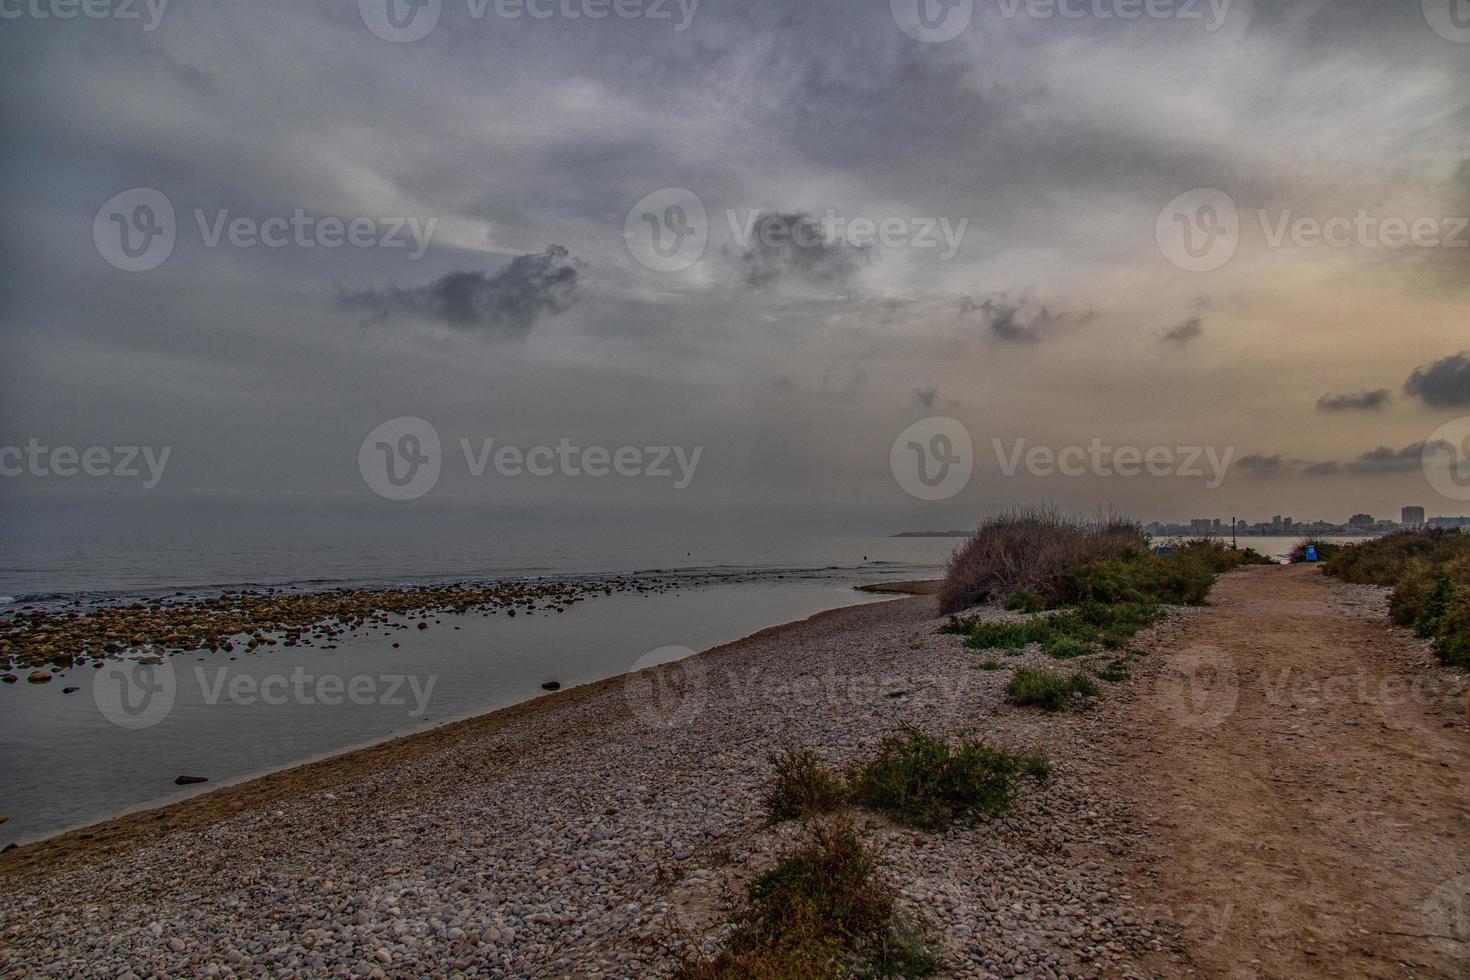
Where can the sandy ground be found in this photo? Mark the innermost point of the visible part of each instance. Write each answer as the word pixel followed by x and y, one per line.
pixel 1304 773
pixel 1278 790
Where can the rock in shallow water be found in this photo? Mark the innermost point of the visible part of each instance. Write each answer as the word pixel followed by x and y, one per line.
pixel 190 780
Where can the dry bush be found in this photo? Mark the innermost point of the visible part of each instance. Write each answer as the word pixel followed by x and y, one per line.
pixel 1025 550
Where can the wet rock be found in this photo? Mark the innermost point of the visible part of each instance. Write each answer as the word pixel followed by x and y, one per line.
pixel 39 677
pixel 190 780
pixel 551 686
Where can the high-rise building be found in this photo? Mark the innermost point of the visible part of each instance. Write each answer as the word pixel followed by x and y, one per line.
pixel 1361 520
pixel 1412 516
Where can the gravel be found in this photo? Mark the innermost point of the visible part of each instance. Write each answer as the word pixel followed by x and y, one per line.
pixel 608 834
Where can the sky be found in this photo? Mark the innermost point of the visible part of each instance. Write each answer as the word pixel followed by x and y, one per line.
pixel 794 255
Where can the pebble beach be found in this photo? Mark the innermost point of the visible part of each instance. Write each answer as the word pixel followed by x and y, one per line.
pixel 604 830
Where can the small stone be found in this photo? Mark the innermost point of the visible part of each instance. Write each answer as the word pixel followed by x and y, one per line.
pixel 39 677
pixel 190 780
pixel 551 686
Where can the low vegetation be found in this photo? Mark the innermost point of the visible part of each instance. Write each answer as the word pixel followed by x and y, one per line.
pixel 801 787
pixel 1429 572
pixel 922 781
pixel 1085 587
pixel 1036 687
pixel 822 912
pixel 916 778
pixel 1025 550
pixel 1114 673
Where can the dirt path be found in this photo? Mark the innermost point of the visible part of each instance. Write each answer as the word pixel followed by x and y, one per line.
pixel 1307 788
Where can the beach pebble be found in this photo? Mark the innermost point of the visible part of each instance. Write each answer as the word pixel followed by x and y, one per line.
pixel 571 841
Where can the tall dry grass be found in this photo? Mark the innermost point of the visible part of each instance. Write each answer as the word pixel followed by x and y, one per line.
pixel 1026 549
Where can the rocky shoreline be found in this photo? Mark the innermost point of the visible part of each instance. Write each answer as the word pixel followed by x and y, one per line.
pixel 599 831
pixel 48 641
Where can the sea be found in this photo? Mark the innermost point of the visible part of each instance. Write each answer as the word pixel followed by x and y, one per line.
pixel 70 759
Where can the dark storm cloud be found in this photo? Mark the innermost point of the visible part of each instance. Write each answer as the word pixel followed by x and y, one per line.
pixel 1018 321
pixel 506 304
pixel 1374 462
pixel 1259 465
pixel 794 245
pixel 1059 141
pixel 1183 332
pixel 1443 384
pixel 1388 460
pixel 1354 401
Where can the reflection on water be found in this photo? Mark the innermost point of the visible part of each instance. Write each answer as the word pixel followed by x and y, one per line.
pixel 76 758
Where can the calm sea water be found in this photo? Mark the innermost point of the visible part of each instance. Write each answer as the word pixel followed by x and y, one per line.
pixel 99 546
pixel 71 759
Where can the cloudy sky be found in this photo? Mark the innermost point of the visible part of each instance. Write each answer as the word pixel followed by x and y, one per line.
pixel 1093 231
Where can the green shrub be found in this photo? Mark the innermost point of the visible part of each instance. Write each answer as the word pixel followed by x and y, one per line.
pixel 1218 556
pixel 1383 561
pixel 1114 673
pixel 991 665
pixel 1179 580
pixel 1034 687
pixel 920 781
pixel 1014 636
pixel 822 912
pixel 1430 574
pixel 1116 624
pixel 1435 602
pixel 1026 602
pixel 1025 550
pixel 1065 647
pixel 1068 634
pixel 801 787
